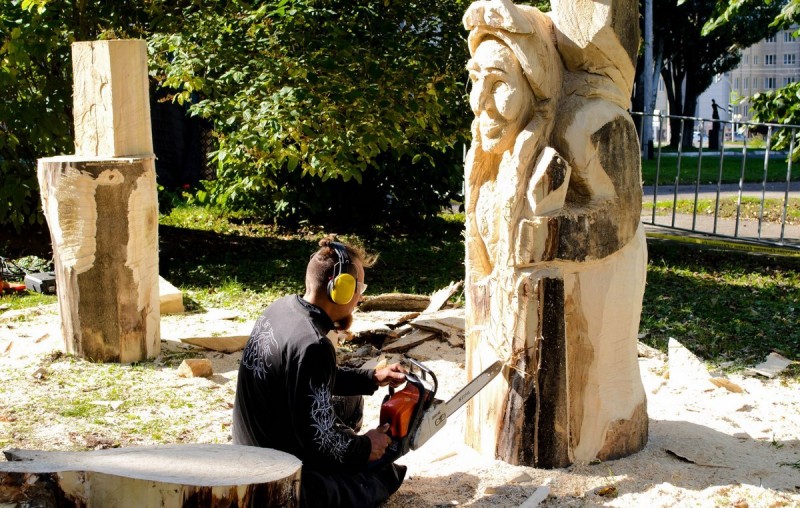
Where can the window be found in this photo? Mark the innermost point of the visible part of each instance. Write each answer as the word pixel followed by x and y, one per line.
pixel 746 83
pixel 787 36
pixel 771 38
pixel 755 59
pixel 769 83
pixel 789 59
pixel 788 81
pixel 736 83
pixel 746 59
pixel 769 59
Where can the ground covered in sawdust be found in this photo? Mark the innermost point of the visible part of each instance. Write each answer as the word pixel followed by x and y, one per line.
pixel 708 446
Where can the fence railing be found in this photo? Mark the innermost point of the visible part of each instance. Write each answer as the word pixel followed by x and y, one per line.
pixel 730 184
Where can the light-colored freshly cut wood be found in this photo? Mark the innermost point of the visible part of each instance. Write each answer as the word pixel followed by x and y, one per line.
pixel 223 343
pixel 195 367
pixel 555 253
pixel 185 476
pixel 103 221
pixel 170 298
pixel 408 341
pixel 111 102
pixel 440 297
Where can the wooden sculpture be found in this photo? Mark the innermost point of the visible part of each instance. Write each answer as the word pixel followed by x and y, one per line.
pixel 555 252
pixel 102 208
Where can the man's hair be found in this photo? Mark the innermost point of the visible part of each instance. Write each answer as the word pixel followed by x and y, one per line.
pixel 320 266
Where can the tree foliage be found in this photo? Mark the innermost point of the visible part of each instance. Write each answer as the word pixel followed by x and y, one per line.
pixel 36 85
pixel 781 106
pixel 302 92
pixel 694 55
pixel 322 110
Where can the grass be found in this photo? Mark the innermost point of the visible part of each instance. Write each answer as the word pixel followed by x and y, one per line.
pixel 750 208
pixel 710 169
pixel 730 308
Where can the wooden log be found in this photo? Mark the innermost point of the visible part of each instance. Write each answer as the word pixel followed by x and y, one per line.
pixel 223 343
pixel 102 209
pixel 191 475
pixel 396 302
pixel 103 219
pixel 111 101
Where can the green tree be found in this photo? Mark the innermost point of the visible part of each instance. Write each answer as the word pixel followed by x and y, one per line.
pixel 783 105
pixel 305 92
pixel 693 56
pixel 36 83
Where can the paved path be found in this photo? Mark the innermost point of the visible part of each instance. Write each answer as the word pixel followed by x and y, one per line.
pixel 704 225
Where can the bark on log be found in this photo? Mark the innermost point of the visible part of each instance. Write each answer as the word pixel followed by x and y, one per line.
pixel 164 476
pixel 103 220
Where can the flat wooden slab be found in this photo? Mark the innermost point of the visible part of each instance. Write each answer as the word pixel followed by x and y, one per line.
pixel 205 465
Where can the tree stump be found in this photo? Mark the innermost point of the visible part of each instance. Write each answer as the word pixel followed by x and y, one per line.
pixel 167 476
pixel 555 253
pixel 102 209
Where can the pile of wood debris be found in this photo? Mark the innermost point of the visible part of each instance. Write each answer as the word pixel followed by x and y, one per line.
pixel 393 323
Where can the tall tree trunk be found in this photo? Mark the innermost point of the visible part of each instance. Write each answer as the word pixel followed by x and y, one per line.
pixel 647 72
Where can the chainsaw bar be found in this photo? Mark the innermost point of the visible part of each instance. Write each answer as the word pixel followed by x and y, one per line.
pixel 436 416
pixel 471 389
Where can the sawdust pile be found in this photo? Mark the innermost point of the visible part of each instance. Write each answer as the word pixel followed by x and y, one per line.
pixel 708 445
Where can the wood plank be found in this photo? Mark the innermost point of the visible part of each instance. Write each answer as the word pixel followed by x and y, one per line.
pixel 223 344
pixel 440 297
pixel 406 342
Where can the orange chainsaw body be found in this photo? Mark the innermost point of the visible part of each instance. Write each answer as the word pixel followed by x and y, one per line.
pixel 399 410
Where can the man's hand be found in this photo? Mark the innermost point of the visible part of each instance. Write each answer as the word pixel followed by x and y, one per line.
pixel 394 375
pixel 379 441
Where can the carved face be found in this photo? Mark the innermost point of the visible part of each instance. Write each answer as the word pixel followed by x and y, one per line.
pixel 500 98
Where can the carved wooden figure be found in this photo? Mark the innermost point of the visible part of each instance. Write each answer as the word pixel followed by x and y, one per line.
pixel 555 252
pixel 102 209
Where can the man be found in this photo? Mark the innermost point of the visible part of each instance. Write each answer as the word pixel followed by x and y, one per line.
pixel 288 375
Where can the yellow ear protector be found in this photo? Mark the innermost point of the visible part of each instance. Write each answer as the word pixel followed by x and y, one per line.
pixel 342 285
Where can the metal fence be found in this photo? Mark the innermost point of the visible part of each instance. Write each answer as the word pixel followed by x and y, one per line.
pixel 730 186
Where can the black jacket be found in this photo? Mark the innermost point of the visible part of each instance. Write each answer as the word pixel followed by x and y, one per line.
pixel 286 378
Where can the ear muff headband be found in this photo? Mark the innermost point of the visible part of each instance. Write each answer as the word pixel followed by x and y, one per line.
pixel 342 286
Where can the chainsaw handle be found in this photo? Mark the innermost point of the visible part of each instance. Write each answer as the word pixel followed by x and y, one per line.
pixel 425 372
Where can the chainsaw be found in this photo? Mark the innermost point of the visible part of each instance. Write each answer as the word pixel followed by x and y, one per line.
pixel 414 414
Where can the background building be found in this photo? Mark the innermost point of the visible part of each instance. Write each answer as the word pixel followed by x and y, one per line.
pixel 770 64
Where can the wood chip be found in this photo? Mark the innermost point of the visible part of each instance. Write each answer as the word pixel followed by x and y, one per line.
pixel 538 496
pixel 772 366
pixel 440 297
pixel 195 367
pixel 729 385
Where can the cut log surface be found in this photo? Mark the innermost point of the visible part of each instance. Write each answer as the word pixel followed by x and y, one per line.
pixel 165 476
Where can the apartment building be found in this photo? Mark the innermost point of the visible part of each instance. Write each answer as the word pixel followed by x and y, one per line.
pixel 767 65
